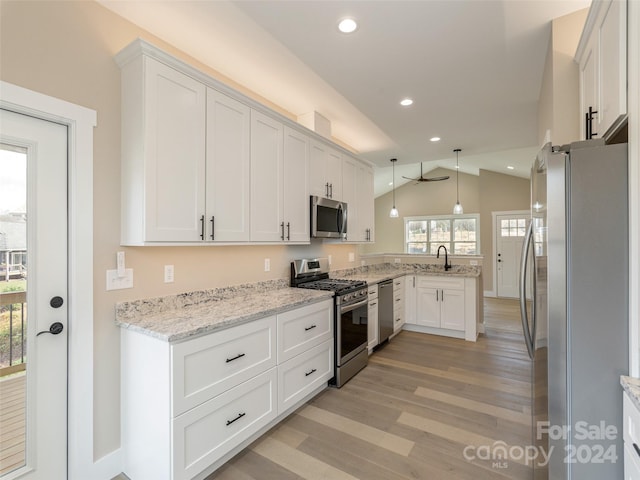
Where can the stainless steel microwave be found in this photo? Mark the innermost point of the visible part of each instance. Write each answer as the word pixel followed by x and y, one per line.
pixel 328 218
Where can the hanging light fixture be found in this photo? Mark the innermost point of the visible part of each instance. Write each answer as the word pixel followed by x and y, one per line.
pixel 394 211
pixel 457 208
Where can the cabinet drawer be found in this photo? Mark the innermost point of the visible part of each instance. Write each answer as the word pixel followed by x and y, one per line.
pixel 207 366
pixel 303 374
pixel 372 291
pixel 441 282
pixel 631 416
pixel 303 328
pixel 398 299
pixel 398 284
pixel 202 435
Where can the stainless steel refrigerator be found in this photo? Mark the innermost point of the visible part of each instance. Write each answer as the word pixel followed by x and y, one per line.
pixel 576 258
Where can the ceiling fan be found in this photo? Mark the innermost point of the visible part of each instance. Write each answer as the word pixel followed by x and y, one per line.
pixel 422 178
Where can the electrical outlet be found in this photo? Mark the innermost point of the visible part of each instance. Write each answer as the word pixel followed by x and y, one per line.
pixel 396 260
pixel 473 262
pixel 329 257
pixel 267 264
pixel 114 282
pixel 168 274
pixel 352 257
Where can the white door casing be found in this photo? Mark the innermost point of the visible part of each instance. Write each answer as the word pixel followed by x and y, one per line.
pixel 80 122
pixel 45 144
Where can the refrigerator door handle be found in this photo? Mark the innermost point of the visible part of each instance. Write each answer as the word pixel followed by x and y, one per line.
pixel 524 317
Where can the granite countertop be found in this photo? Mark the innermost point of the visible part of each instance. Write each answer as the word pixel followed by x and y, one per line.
pixel 179 317
pixel 632 387
pixel 379 273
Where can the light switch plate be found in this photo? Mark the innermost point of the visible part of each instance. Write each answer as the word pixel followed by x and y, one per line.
pixel 352 257
pixel 267 264
pixel 114 282
pixel 168 274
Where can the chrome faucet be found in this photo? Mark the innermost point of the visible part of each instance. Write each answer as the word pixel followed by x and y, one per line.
pixel 447 265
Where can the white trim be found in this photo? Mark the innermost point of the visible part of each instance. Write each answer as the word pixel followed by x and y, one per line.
pixel 80 122
pixel 490 293
pixel 633 99
pixel 494 242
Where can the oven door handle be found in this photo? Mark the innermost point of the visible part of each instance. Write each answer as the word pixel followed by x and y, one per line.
pixel 348 308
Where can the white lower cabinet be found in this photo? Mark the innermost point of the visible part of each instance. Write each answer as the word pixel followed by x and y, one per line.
pixel 398 304
pixel 205 433
pixel 187 407
pixel 303 374
pixel 445 306
pixel 631 437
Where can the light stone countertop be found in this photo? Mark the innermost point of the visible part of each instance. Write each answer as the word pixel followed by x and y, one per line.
pixel 379 273
pixel 171 322
pixel 632 387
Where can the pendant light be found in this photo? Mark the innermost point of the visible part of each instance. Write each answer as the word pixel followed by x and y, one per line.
pixel 394 211
pixel 457 208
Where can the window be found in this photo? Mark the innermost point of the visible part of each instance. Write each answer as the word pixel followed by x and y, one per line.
pixel 460 234
pixel 513 227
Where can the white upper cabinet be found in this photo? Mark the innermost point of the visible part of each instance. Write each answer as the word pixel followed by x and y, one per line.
pixel 163 151
pixel 228 169
pixel 357 192
pixel 349 179
pixel 267 162
pixel 296 207
pixel 325 171
pixel 602 59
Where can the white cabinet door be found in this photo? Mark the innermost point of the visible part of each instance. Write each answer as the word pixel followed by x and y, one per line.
pixel 452 309
pixel 612 64
pixel 318 184
pixel 334 173
pixel 589 87
pixel 372 324
pixel 228 168
pixel 366 216
pixel 296 186
pixel 428 306
pixel 174 155
pixel 205 433
pixel 266 179
pixel 410 299
pixel 349 179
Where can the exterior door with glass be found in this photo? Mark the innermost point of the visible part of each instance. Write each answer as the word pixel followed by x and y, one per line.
pixel 510 231
pixel 33 298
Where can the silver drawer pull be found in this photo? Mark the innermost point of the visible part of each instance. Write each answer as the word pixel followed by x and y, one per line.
pixel 306 329
pixel 309 373
pixel 235 358
pixel 240 415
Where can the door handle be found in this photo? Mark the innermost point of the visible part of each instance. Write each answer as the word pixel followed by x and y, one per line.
pixel 54 329
pixel 524 317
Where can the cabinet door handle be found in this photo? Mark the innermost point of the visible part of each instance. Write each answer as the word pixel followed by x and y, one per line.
pixel 288 231
pixel 202 227
pixel 636 448
pixel 398 299
pixel 282 231
pixel 235 358
pixel 240 415
pixel 437 295
pixel 442 295
pixel 414 282
pixel 313 370
pixel 306 329
pixel 373 304
pixel 331 190
pixel 326 189
pixel 213 228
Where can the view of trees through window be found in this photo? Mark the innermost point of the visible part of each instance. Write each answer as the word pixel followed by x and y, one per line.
pixel 460 234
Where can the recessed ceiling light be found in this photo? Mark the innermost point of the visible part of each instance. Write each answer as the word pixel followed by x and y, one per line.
pixel 435 139
pixel 511 167
pixel 405 102
pixel 347 25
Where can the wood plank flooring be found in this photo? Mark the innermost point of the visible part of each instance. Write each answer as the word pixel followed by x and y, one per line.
pixel 12 422
pixel 410 414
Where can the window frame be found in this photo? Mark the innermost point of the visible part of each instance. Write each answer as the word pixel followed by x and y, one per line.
pixel 451 243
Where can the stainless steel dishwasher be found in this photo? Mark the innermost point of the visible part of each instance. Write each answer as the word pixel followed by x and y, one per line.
pixel 385 310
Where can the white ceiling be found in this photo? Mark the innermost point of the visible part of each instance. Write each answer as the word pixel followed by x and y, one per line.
pixel 473 68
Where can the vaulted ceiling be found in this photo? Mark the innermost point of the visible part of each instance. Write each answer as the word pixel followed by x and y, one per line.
pixel 472 67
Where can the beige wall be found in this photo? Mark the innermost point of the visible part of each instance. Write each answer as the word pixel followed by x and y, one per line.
pixel 559 101
pixel 65 50
pixel 483 194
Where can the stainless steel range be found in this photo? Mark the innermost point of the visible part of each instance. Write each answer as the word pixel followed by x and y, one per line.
pixel 350 314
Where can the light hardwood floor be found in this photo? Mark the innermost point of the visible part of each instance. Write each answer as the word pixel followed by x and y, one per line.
pixel 409 414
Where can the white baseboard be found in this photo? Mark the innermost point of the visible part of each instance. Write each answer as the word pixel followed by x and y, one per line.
pixel 489 293
pixel 109 466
